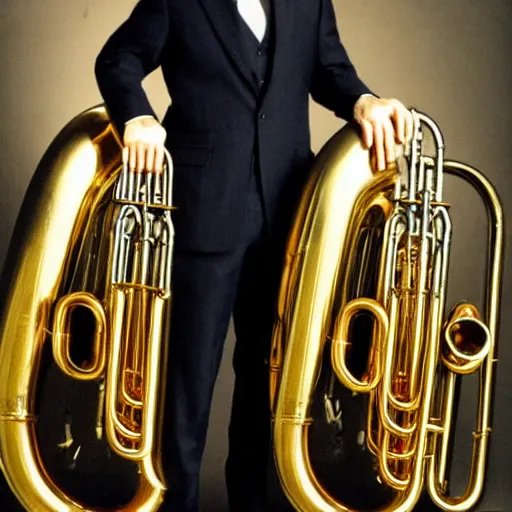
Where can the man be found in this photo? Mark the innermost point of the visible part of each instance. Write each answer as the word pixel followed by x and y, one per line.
pixel 239 77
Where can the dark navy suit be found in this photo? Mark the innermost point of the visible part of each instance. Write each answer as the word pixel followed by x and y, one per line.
pixel 238 133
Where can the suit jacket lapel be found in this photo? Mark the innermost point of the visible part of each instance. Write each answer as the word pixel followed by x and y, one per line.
pixel 281 21
pixel 222 15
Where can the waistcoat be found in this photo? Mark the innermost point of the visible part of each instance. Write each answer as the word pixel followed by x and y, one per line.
pixel 258 54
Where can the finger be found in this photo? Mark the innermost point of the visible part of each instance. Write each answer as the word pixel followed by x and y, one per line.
pixel 150 158
pixel 141 156
pixel 132 159
pixel 125 155
pixel 159 158
pixel 389 142
pixel 373 158
pixel 399 121
pixel 378 134
pixel 367 133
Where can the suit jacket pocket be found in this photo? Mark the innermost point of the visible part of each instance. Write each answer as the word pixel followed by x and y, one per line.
pixel 189 149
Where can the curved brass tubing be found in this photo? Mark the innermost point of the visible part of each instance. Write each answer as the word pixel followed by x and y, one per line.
pixel 340 344
pixel 61 338
pixel 414 357
pixel 467 340
pixel 73 181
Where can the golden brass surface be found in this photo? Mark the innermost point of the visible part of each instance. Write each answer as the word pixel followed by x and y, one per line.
pixel 414 356
pixel 87 237
pixel 61 336
pixel 340 344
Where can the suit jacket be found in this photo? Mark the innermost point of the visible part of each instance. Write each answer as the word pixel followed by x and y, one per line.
pixel 219 121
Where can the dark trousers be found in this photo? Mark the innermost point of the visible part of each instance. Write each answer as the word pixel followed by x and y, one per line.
pixel 207 289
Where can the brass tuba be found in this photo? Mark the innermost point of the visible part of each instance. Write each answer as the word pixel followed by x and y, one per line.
pixel 372 249
pixel 93 241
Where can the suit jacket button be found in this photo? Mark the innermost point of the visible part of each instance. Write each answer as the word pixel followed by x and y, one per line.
pixel 262 116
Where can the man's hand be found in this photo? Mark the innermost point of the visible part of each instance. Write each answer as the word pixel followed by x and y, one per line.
pixel 143 141
pixel 384 123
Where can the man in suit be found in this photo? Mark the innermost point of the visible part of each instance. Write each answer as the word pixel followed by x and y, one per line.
pixel 239 76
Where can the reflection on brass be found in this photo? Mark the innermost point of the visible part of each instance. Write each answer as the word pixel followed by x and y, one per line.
pixel 414 357
pixel 61 337
pixel 90 234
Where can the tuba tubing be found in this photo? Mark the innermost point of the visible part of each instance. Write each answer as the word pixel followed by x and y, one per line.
pixel 75 175
pixel 316 304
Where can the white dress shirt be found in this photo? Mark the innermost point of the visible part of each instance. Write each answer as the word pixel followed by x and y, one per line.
pixel 254 13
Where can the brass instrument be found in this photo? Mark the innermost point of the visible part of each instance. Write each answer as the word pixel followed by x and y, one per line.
pixel 94 237
pixel 376 246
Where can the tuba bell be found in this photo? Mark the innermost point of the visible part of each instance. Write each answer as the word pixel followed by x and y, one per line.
pixel 86 295
pixel 361 308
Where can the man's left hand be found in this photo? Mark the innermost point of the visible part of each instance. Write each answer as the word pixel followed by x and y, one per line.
pixel 384 123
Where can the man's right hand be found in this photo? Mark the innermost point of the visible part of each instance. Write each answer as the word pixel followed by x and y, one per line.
pixel 143 142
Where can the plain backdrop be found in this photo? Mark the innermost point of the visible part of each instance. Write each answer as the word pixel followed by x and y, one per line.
pixel 449 58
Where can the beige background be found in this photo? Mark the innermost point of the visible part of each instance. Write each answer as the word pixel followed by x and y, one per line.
pixel 449 58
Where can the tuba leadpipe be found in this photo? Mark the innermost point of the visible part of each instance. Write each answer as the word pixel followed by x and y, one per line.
pixel 415 354
pixel 101 239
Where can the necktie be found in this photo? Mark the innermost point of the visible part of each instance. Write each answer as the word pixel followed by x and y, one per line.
pixel 253 13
